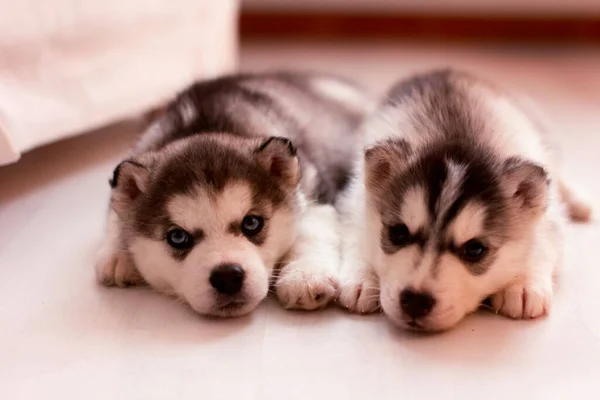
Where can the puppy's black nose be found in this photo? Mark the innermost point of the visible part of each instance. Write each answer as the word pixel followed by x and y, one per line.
pixel 416 304
pixel 227 278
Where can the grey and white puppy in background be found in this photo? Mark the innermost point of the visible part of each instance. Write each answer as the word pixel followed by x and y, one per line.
pixel 230 187
pixel 457 197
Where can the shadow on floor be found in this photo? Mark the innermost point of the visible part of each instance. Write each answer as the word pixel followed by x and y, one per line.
pixel 56 161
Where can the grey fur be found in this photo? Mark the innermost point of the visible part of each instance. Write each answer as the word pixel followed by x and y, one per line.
pixel 240 128
pixel 282 137
pixel 324 130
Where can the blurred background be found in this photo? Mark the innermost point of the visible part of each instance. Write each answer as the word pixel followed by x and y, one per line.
pixel 68 67
pixel 424 19
pixel 75 77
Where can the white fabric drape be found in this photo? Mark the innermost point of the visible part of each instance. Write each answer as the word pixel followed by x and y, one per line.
pixel 67 66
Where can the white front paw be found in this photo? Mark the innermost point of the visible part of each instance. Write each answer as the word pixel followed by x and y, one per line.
pixel 360 293
pixel 116 269
pixel 524 300
pixel 306 288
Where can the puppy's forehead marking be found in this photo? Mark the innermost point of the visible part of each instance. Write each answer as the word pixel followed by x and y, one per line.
pixel 451 188
pixel 424 267
pixel 187 110
pixel 468 224
pixel 210 211
pixel 414 211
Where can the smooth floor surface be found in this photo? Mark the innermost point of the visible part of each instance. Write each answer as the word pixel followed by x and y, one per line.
pixel 64 337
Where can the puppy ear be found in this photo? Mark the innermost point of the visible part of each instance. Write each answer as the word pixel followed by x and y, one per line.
pixel 526 184
pixel 129 182
pixel 278 156
pixel 380 158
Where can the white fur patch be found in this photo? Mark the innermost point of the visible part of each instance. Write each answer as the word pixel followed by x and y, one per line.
pixel 420 279
pixel 340 92
pixel 384 125
pixel 156 264
pixel 113 266
pixel 414 211
pixel 187 110
pixel 212 215
pixel 468 224
pixel 153 135
pixel 310 278
pixel 511 131
pixel 451 187
pixel 359 283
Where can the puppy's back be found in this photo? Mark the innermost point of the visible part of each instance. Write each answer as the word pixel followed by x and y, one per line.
pixel 454 106
pixel 319 113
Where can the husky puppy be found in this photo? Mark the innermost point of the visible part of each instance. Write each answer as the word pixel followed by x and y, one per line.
pixel 235 178
pixel 456 198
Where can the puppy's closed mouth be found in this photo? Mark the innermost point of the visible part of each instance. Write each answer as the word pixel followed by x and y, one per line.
pixel 231 305
pixel 414 325
pixel 233 308
pixel 419 329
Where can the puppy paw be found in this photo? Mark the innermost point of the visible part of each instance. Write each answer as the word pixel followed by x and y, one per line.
pixel 116 269
pixel 524 300
pixel 360 294
pixel 305 288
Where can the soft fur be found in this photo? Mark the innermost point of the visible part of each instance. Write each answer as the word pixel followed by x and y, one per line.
pixel 276 146
pixel 451 166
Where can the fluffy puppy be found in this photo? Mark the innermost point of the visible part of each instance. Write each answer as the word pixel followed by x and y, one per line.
pixel 456 198
pixel 230 188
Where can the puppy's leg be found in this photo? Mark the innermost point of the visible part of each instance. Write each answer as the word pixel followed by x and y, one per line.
pixel 310 279
pixel 530 295
pixel 113 265
pixel 359 290
pixel 528 298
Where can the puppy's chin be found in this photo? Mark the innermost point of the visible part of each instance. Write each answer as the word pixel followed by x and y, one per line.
pixel 232 309
pixel 236 307
pixel 223 307
pixel 427 325
pixel 213 304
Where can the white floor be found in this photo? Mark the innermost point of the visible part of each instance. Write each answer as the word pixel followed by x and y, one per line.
pixel 62 336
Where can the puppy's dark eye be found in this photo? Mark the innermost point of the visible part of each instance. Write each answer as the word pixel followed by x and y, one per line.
pixel 179 239
pixel 399 234
pixel 252 225
pixel 472 251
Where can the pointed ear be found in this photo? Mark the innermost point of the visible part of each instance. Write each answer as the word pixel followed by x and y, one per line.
pixel 526 184
pixel 380 158
pixel 278 156
pixel 129 181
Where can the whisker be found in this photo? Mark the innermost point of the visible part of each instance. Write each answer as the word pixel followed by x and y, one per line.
pixel 376 297
pixel 374 288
